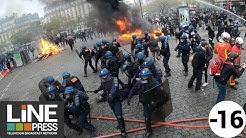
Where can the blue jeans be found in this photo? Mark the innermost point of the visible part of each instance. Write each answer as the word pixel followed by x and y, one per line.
pixel 222 92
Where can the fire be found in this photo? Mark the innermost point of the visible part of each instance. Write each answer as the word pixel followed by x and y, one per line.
pixel 126 37
pixel 48 48
pixel 156 33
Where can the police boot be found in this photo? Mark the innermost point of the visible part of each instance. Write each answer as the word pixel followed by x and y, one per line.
pixel 85 71
pixel 148 133
pixel 168 74
pixel 121 124
pixel 234 87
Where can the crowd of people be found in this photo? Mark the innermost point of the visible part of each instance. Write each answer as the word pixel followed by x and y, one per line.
pixel 142 72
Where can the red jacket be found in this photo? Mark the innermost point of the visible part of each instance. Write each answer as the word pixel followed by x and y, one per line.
pixel 222 49
pixel 238 50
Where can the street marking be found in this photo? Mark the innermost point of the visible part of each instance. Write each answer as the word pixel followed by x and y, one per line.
pixel 2 96
pixel 6 88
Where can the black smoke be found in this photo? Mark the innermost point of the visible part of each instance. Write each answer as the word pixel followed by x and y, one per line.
pixel 106 12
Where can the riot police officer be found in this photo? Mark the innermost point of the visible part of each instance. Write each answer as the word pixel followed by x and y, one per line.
pixel 45 83
pixel 116 43
pixel 86 53
pixel 54 94
pixel 113 65
pixel 146 86
pixel 110 87
pixel 101 53
pixel 139 48
pixel 76 103
pixel 156 72
pixel 184 47
pixel 165 52
pixel 73 81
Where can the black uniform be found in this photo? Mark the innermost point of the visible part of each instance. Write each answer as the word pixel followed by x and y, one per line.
pixel 74 82
pixel 77 105
pixel 165 52
pixel 198 64
pixel 87 56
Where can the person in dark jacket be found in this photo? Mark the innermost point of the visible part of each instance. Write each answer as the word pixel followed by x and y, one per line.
pixel 144 87
pixel 86 53
pixel 208 57
pixel 198 64
pixel 184 48
pixel 211 36
pixel 110 87
pixel 227 71
pixel 76 104
pixel 165 52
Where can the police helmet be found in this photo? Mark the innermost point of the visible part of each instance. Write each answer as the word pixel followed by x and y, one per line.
pixel 183 36
pixel 148 62
pixel 232 56
pixel 98 44
pixel 134 36
pixel 110 44
pixel 145 73
pixel 83 47
pixel 104 41
pixel 69 90
pixel 123 68
pixel 108 54
pixel 114 39
pixel 139 55
pixel 50 79
pixel 95 46
pixel 140 39
pixel 146 33
pixel 65 75
pixel 103 72
pixel 51 89
pixel 163 38
pixel 138 46
pixel 127 56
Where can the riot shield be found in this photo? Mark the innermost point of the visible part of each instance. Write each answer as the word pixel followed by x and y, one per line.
pixel 164 107
pixel 43 98
pixel 42 86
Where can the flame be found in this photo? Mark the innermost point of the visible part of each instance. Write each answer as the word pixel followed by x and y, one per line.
pixel 156 33
pixel 48 48
pixel 127 37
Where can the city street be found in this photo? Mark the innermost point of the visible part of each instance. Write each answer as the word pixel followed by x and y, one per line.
pixel 22 85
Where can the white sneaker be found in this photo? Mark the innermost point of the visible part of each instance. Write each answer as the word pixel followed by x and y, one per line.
pixel 205 84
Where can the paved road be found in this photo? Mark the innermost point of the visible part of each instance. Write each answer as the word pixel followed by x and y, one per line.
pixel 22 85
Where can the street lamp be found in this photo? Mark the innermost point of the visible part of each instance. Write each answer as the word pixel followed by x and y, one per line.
pixel 140 3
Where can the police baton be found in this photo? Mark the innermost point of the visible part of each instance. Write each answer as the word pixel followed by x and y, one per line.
pixel 82 60
pixel 90 91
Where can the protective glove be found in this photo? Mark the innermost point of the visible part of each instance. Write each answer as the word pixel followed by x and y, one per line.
pixel 128 101
pixel 110 97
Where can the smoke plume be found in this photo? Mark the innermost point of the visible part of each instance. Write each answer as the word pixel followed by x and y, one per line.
pixel 107 12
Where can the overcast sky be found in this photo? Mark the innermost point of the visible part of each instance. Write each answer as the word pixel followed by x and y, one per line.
pixel 8 7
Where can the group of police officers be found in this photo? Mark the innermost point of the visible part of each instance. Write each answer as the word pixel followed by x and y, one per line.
pixel 144 77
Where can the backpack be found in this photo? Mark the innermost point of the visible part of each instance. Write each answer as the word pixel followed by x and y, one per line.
pixel 215 67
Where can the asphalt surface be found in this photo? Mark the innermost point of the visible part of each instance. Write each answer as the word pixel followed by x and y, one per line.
pixel 22 85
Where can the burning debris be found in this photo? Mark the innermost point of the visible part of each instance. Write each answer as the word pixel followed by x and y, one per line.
pixel 47 49
pixel 116 16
